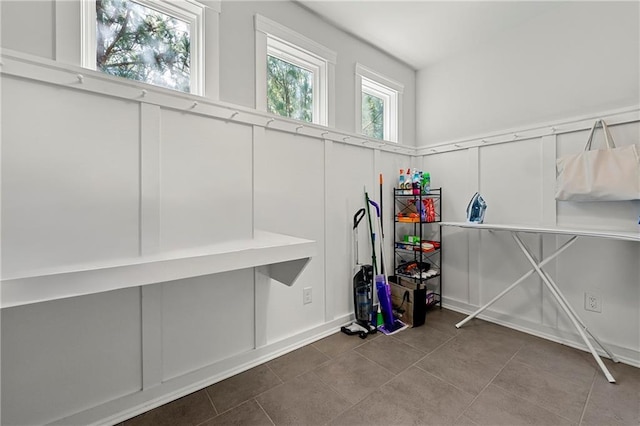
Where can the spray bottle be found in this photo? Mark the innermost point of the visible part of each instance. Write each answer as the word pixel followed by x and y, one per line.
pixel 401 180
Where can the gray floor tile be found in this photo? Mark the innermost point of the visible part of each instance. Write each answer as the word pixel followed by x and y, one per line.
pixel 465 421
pixel 402 380
pixel 339 343
pixel 297 362
pixel 469 361
pixel 424 338
pixel 444 320
pixel 495 406
pixel 353 376
pixel 248 413
pixel 390 353
pixel 413 397
pixel 242 387
pixel 558 359
pixel 561 396
pixel 304 400
pixel 496 333
pixel 192 409
pixel 614 404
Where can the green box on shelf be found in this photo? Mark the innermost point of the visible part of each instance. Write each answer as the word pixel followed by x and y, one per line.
pixel 413 239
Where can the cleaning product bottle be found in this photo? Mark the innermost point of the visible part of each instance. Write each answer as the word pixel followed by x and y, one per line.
pixel 401 180
pixel 416 182
pixel 407 183
pixel 426 183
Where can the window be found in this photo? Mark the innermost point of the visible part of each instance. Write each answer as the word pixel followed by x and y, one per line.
pixel 293 74
pixel 156 42
pixel 378 105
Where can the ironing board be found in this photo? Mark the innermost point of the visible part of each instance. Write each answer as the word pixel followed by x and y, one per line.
pixel 546 279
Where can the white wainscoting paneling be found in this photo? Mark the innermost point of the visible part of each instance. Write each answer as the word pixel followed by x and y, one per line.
pixel 289 199
pixel 211 321
pixel 70 177
pixel 206 180
pixel 65 356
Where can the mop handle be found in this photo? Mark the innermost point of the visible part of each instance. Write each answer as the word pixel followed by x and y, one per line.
pixel 374 204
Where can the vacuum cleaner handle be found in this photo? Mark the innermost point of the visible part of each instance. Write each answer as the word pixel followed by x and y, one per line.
pixel 358 217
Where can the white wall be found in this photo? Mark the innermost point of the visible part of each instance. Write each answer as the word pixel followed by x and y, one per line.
pixel 583 58
pixel 95 172
pixel 238 59
pixel 517 179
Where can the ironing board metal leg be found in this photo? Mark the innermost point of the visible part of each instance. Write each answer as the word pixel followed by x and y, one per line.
pixel 565 306
pixel 582 324
pixel 520 280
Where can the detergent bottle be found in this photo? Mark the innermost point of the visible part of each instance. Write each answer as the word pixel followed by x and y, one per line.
pixel 416 182
pixel 426 183
pixel 407 183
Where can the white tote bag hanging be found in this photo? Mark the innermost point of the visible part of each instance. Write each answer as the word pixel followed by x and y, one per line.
pixel 610 174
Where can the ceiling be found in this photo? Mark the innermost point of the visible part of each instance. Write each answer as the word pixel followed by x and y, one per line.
pixel 421 33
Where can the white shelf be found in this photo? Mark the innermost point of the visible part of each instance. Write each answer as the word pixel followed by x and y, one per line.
pixel 285 256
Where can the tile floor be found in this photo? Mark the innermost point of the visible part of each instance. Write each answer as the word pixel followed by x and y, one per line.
pixel 482 374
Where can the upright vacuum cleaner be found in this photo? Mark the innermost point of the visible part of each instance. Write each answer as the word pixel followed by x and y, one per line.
pixel 362 290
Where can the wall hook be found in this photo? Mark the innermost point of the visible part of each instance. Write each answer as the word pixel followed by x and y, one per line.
pixel 553 130
pixel 234 114
pixel 515 136
pixel 195 104
pixel 80 78
pixel 299 128
pixel 432 150
pixel 457 145
pixel 483 141
pixel 346 138
pixel 324 134
pixel 144 93
pixel 269 121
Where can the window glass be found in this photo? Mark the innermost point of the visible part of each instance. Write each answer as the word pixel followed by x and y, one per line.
pixel 289 90
pixel 372 116
pixel 143 44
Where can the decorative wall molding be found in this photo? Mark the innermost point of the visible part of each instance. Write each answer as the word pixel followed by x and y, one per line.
pixel 517 134
pixel 29 67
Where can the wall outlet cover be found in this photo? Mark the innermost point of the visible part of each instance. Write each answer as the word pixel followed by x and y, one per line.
pixel 592 302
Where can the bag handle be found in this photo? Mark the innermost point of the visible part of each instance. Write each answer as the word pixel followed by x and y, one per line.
pixel 607 135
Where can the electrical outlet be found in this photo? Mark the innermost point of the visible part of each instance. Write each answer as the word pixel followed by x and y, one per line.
pixel 592 302
pixel 306 295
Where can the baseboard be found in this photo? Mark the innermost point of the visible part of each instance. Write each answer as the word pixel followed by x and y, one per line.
pixel 120 409
pixel 625 355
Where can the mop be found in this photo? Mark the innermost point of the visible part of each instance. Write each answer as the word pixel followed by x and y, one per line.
pixel 390 324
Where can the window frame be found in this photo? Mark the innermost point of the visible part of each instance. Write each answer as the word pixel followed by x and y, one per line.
pixel 190 11
pixel 273 39
pixel 390 91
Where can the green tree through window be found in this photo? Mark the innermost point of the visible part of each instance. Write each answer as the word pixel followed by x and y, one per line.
pixel 372 116
pixel 140 43
pixel 289 90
